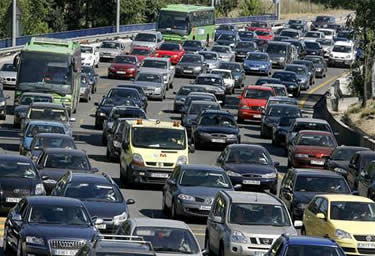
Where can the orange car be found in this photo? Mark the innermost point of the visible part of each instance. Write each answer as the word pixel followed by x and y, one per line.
pixel 264 33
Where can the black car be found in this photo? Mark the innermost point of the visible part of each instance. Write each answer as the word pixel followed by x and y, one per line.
pixel 191 65
pixel 357 164
pixel 322 22
pixel 279 132
pixel 117 245
pixel 191 189
pixel 310 66
pixel 214 84
pixel 193 46
pixel 114 138
pixel 238 72
pixel 129 94
pixel 92 77
pixel 101 196
pixel 18 179
pixel 55 162
pixel 105 107
pixel 320 65
pixel 181 95
pixel 243 48
pixel 216 127
pixel 246 36
pixel 339 160
pixel 300 25
pixel 197 96
pixel 290 80
pixel 267 80
pixel 44 225
pixel 140 90
pixel 49 140
pixel 3 104
pixel 300 45
pixel 250 165
pixel 299 186
pixel 313 48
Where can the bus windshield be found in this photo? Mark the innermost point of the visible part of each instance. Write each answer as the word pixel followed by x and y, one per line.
pixel 45 72
pixel 147 137
pixel 169 20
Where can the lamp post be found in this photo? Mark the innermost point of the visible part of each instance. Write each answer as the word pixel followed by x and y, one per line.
pixel 118 16
pixel 14 23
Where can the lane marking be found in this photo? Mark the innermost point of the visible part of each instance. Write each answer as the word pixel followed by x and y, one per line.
pixel 199 234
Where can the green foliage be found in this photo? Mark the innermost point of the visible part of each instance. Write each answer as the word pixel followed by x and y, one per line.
pixel 250 7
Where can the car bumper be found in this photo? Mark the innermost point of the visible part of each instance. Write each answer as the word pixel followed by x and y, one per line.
pixel 126 74
pixel 340 62
pixel 249 114
pixel 353 247
pixel 150 175
pixel 9 82
pixel 190 209
pixel 319 73
pixel 208 139
pixel 187 72
pixel 254 183
pixel 236 249
pixel 309 162
pixel 37 250
pixel 256 70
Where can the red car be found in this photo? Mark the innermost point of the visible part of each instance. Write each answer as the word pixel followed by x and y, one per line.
pixel 309 149
pixel 264 33
pixel 172 51
pixel 142 52
pixel 253 100
pixel 124 66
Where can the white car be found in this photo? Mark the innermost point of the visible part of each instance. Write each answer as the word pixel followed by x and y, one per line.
pixel 343 54
pixel 227 77
pixel 89 55
pixel 328 33
pixel 314 35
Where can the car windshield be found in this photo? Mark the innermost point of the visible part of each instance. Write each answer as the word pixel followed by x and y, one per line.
pixel 169 239
pixel 312 45
pixel 230 66
pixel 169 47
pixel 186 90
pixel 148 77
pixel 258 24
pixel 191 98
pixel 227 37
pixel 16 168
pixel 352 211
pixel 246 34
pixel 258 94
pixel 140 51
pixel 123 93
pixel 218 120
pixel 93 192
pixel 196 108
pixel 125 60
pixel 312 250
pixel 48 114
pixel 319 140
pixel 224 74
pixel 28 99
pixel 54 142
pixel 296 69
pixel 312 126
pixel 209 55
pixel 345 154
pixel 321 185
pixel 66 161
pixel 276 49
pixel 341 48
pixel 290 34
pixel 312 34
pixel 172 21
pixel 34 129
pixel 280 91
pixel 284 76
pixel 282 101
pixel 209 80
pixel 155 64
pixel 257 57
pixel 247 45
pixel 202 178
pixel 286 121
pixel 162 138
pixel 196 44
pixel 258 214
pixel 322 19
pixel 191 59
pixel 142 37
pixel 86 49
pixel 220 49
pixel 110 45
pixel 295 22
pixel 117 101
pixel 315 60
pixel 249 156
pixel 63 215
pixel 283 111
pixel 128 113
pixel 262 32
pixel 9 68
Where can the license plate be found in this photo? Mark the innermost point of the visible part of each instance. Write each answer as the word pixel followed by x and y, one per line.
pixel 366 245
pixel 251 182
pixel 121 72
pixel 188 71
pixel 254 68
pixel 218 140
pixel 257 116
pixel 101 226
pixel 65 252
pixel 317 162
pixel 159 175
pixel 13 199
pixel 205 208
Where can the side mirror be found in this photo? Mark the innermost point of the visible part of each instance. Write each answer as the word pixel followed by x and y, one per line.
pixel 17 217
pixel 237 187
pixel 220 101
pixel 321 216
pixel 98 221
pixel 217 219
pixel 191 149
pixel 130 201
pixel 276 164
pixel 298 224
pixel 72 119
pixel 171 182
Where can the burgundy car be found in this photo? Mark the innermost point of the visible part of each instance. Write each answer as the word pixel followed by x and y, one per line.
pixel 124 66
pixel 309 149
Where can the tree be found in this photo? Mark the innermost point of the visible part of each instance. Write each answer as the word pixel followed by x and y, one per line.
pixel 250 7
pixel 33 18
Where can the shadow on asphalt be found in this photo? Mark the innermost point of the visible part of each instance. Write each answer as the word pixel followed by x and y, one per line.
pixel 100 158
pixel 156 213
pixel 10 147
pixel 276 151
pixel 91 139
pixel 254 136
pixel 88 127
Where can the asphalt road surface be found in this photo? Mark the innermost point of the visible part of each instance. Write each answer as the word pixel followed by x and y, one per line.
pixel 148 199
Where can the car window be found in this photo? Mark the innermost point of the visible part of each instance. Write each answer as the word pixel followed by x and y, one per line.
pixel 67 161
pixel 314 205
pixel 220 207
pixel 257 94
pixel 248 156
pixel 352 211
pixel 324 207
pixel 321 184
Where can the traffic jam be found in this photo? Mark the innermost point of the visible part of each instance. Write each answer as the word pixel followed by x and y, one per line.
pixel 172 116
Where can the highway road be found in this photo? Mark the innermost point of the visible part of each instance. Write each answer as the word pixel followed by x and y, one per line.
pixel 148 199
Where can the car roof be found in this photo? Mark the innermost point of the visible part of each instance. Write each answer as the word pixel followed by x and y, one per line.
pixel 53 200
pixel 128 247
pixel 308 240
pixel 291 30
pixel 314 132
pixel 284 105
pixel 315 172
pixel 346 198
pixel 156 222
pixel 47 105
pixel 258 87
pixel 46 122
pixel 197 167
pixel 286 98
pixel 64 150
pixel 14 157
pixel 258 53
pixel 203 94
pixel 303 61
pixel 203 102
pixel 252 197
pixel 296 65
pixel 315 120
pixel 89 177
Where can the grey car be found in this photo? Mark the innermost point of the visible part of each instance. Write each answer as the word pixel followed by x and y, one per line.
pixel 162 66
pixel 211 59
pixel 320 65
pixel 8 75
pixel 238 72
pixel 85 89
pixel 194 96
pixel 280 53
pixel 246 223
pixel 302 74
pixel 225 52
pixel 193 46
pixel 191 189
pixel 152 83
pixel 183 93
pixel 191 65
pixel 152 39
pixel 108 50
pixel 214 84
pixel 230 40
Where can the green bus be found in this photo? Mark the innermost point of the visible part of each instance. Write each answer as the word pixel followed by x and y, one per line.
pixel 51 66
pixel 180 22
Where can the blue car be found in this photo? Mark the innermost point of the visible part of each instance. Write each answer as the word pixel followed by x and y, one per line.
pixel 225 29
pixel 258 62
pixel 303 245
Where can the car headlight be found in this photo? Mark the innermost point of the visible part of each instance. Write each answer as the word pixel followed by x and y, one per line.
pixel 181 160
pixel 245 107
pixel 231 136
pixel 233 174
pixel 197 69
pixel 174 56
pixel 341 234
pixel 238 237
pixel 302 155
pixel 131 69
pixel 2 103
pixel 231 45
pixel 116 144
pixel 186 197
pixel 102 114
pixel 34 240
pixel 119 219
pixel 165 77
pixel 204 134
pixel 340 170
pixel 282 59
pixel 263 66
pixel 137 160
pixel 39 189
pixel 270 175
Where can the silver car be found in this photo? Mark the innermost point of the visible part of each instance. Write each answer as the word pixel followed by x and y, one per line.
pixel 159 65
pixel 168 237
pixel 108 50
pixel 148 39
pixel 8 75
pixel 152 83
pixel 225 52
pixel 246 223
pixel 211 59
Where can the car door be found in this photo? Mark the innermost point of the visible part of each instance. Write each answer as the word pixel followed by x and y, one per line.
pixel 309 218
pixel 171 186
pixel 286 189
pixel 352 171
pixel 365 179
pixel 13 225
pixel 216 229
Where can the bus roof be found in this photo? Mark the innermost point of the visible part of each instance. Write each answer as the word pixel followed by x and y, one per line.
pixel 186 8
pixel 42 44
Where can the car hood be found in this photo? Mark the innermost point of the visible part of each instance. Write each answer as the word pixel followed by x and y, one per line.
pixel 253 102
pixel 312 150
pixel 275 55
pixel 10 74
pixel 154 70
pixel 302 77
pixel 304 197
pixel 217 129
pixel 274 231
pixel 105 209
pixel 24 185
pixel 200 191
pixel 68 232
pixel 118 65
pixel 249 168
pixel 148 84
pixel 190 64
